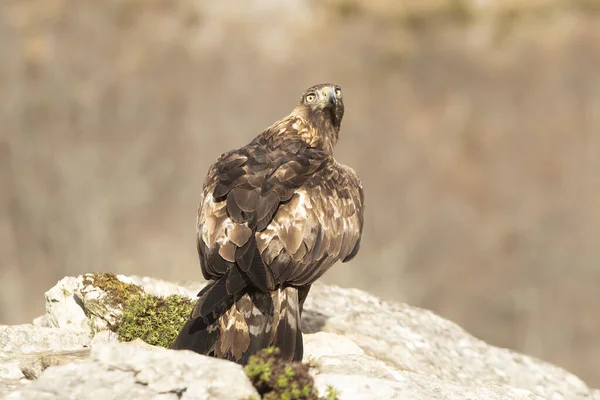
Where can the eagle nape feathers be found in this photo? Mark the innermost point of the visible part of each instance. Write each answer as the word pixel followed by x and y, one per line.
pixel 274 216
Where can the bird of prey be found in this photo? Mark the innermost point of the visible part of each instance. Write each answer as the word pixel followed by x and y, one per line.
pixel 274 216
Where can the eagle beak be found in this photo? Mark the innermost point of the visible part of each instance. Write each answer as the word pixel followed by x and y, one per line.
pixel 329 97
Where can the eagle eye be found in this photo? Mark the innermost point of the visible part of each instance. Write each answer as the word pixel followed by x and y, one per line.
pixel 338 92
pixel 310 97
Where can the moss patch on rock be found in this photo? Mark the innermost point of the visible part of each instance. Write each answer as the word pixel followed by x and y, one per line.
pixel 276 379
pixel 117 291
pixel 156 320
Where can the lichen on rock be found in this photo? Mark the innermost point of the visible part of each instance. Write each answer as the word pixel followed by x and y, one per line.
pixel 117 291
pixel 154 319
pixel 98 302
pixel 104 296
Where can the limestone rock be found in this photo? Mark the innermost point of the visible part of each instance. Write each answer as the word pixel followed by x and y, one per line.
pixel 162 288
pixel 340 363
pixel 11 376
pixel 66 305
pixel 322 344
pixel 30 338
pixel 418 341
pixel 104 337
pixel 365 347
pixel 414 386
pixel 33 365
pixel 9 368
pixel 8 386
pixel 139 371
pixel 77 303
pixel 41 321
pixel 20 344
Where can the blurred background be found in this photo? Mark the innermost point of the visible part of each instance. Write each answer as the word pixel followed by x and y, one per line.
pixel 474 125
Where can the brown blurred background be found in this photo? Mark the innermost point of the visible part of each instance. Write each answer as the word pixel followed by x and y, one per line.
pixel 475 126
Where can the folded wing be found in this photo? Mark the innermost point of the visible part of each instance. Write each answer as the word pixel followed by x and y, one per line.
pixel 270 218
pixel 320 224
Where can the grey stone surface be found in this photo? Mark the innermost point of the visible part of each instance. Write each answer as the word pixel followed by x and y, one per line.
pixel 365 347
pixel 21 344
pixel 10 369
pixel 104 337
pixel 414 386
pixel 340 363
pixel 72 303
pixel 8 386
pixel 323 344
pixel 159 287
pixel 30 338
pixel 32 365
pixel 11 376
pixel 418 341
pixel 139 371
pixel 41 321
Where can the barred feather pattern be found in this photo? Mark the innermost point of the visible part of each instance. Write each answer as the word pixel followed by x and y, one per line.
pixel 250 322
pixel 274 216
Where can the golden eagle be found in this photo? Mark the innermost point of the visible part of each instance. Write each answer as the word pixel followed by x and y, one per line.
pixel 274 216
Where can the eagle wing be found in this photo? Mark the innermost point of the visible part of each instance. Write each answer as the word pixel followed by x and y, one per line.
pixel 320 224
pixel 276 217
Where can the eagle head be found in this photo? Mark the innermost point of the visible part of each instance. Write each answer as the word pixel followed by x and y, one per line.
pixel 323 106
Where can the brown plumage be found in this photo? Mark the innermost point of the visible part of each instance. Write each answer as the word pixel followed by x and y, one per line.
pixel 274 216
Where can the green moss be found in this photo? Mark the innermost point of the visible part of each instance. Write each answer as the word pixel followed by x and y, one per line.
pixel 156 320
pixel 117 292
pixel 332 393
pixel 283 380
pixel 276 379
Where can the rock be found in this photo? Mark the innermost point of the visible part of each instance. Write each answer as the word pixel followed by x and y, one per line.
pixel 321 344
pixel 8 386
pixel 134 370
pixel 365 347
pixel 10 373
pixel 342 364
pixel 34 364
pixel 41 321
pixel 21 345
pixel 81 303
pixel 10 369
pixel 64 306
pixel 414 386
pixel 74 302
pixel 104 337
pixel 354 365
pixel 30 338
pixel 418 341
pixel 162 288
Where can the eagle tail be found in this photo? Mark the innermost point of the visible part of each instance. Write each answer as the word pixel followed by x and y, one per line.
pixel 243 324
pixel 288 336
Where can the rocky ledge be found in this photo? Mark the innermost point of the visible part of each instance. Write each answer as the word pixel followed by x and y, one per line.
pixel 356 347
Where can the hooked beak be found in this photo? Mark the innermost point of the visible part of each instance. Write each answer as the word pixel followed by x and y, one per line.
pixel 329 99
